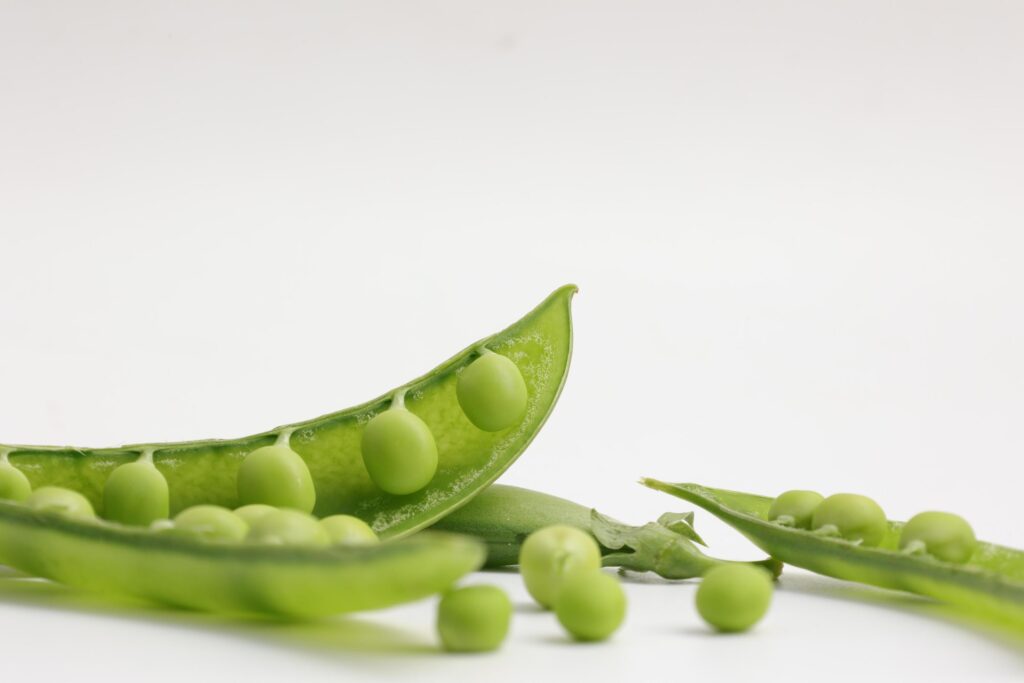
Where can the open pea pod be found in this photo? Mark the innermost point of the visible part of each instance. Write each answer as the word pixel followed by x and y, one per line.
pixel 231 578
pixel 468 458
pixel 990 585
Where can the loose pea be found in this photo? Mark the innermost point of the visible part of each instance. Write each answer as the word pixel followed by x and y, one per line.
pixel 276 475
pixel 943 535
pixel 288 527
pixel 250 513
pixel 734 597
pixel 136 493
pixel 795 508
pixel 591 605
pixel 492 393
pixel 550 554
pixel 211 523
pixel 348 530
pixel 14 484
pixel 62 501
pixel 853 517
pixel 474 618
pixel 399 451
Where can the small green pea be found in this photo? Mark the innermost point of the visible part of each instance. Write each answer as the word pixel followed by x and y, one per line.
pixel 548 555
pixel 250 513
pixel 288 527
pixel 211 523
pixel 278 476
pixel 795 508
pixel 399 451
pixel 853 517
pixel 943 535
pixel 734 597
pixel 348 530
pixel 591 605
pixel 492 392
pixel 136 493
pixel 14 484
pixel 474 618
pixel 62 501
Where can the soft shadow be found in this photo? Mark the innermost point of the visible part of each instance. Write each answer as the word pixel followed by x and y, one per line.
pixel 340 637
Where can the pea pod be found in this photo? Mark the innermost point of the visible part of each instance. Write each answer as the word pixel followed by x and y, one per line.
pixel 503 516
pixel 231 578
pixel 989 585
pixel 468 457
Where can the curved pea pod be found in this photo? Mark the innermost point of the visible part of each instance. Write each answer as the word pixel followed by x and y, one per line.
pixel 468 457
pixel 231 578
pixel 503 516
pixel 990 585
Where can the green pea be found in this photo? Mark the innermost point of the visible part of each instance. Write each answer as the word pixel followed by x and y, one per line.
pixel 591 605
pixel 795 508
pixel 136 493
pixel 211 523
pixel 474 618
pixel 399 451
pixel 250 513
pixel 14 484
pixel 734 597
pixel 942 535
pixel 853 517
pixel 288 527
pixel 276 475
pixel 348 530
pixel 548 555
pixel 62 501
pixel 492 393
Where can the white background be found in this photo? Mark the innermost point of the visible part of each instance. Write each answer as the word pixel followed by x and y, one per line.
pixel 797 229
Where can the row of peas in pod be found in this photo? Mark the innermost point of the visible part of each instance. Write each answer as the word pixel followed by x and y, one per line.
pixel 859 519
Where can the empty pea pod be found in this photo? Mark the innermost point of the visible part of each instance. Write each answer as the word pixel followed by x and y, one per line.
pixel 990 584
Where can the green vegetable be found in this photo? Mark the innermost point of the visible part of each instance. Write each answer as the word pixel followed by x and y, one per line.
pixel 468 458
pixel 60 501
pixel 943 535
pixel 852 517
pixel 288 527
pixel 13 484
pixel 348 530
pixel 136 493
pixel 473 619
pixel 211 523
pixel 795 508
pixel 990 586
pixel 734 597
pixel 398 450
pixel 504 516
pixel 551 554
pixel 250 513
pixel 295 582
pixel 591 605
pixel 492 392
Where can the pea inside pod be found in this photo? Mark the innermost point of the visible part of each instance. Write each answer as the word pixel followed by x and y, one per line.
pixel 348 530
pixel 399 450
pixel 136 493
pixel 851 516
pixel 288 527
pixel 943 535
pixel 276 475
pixel 492 392
pixel 14 485
pixel 795 508
pixel 211 523
pixel 61 501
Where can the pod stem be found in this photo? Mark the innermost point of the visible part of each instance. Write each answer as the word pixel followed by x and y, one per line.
pixel 398 400
pixel 284 438
pixel 146 456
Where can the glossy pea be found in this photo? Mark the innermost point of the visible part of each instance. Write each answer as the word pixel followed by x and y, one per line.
pixel 853 517
pixel 473 619
pixel 250 513
pixel 795 508
pixel 14 485
pixel 60 500
pixel 943 535
pixel 550 554
pixel 734 597
pixel 492 392
pixel 288 527
pixel 211 523
pixel 591 605
pixel 136 493
pixel 276 475
pixel 399 451
pixel 348 530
